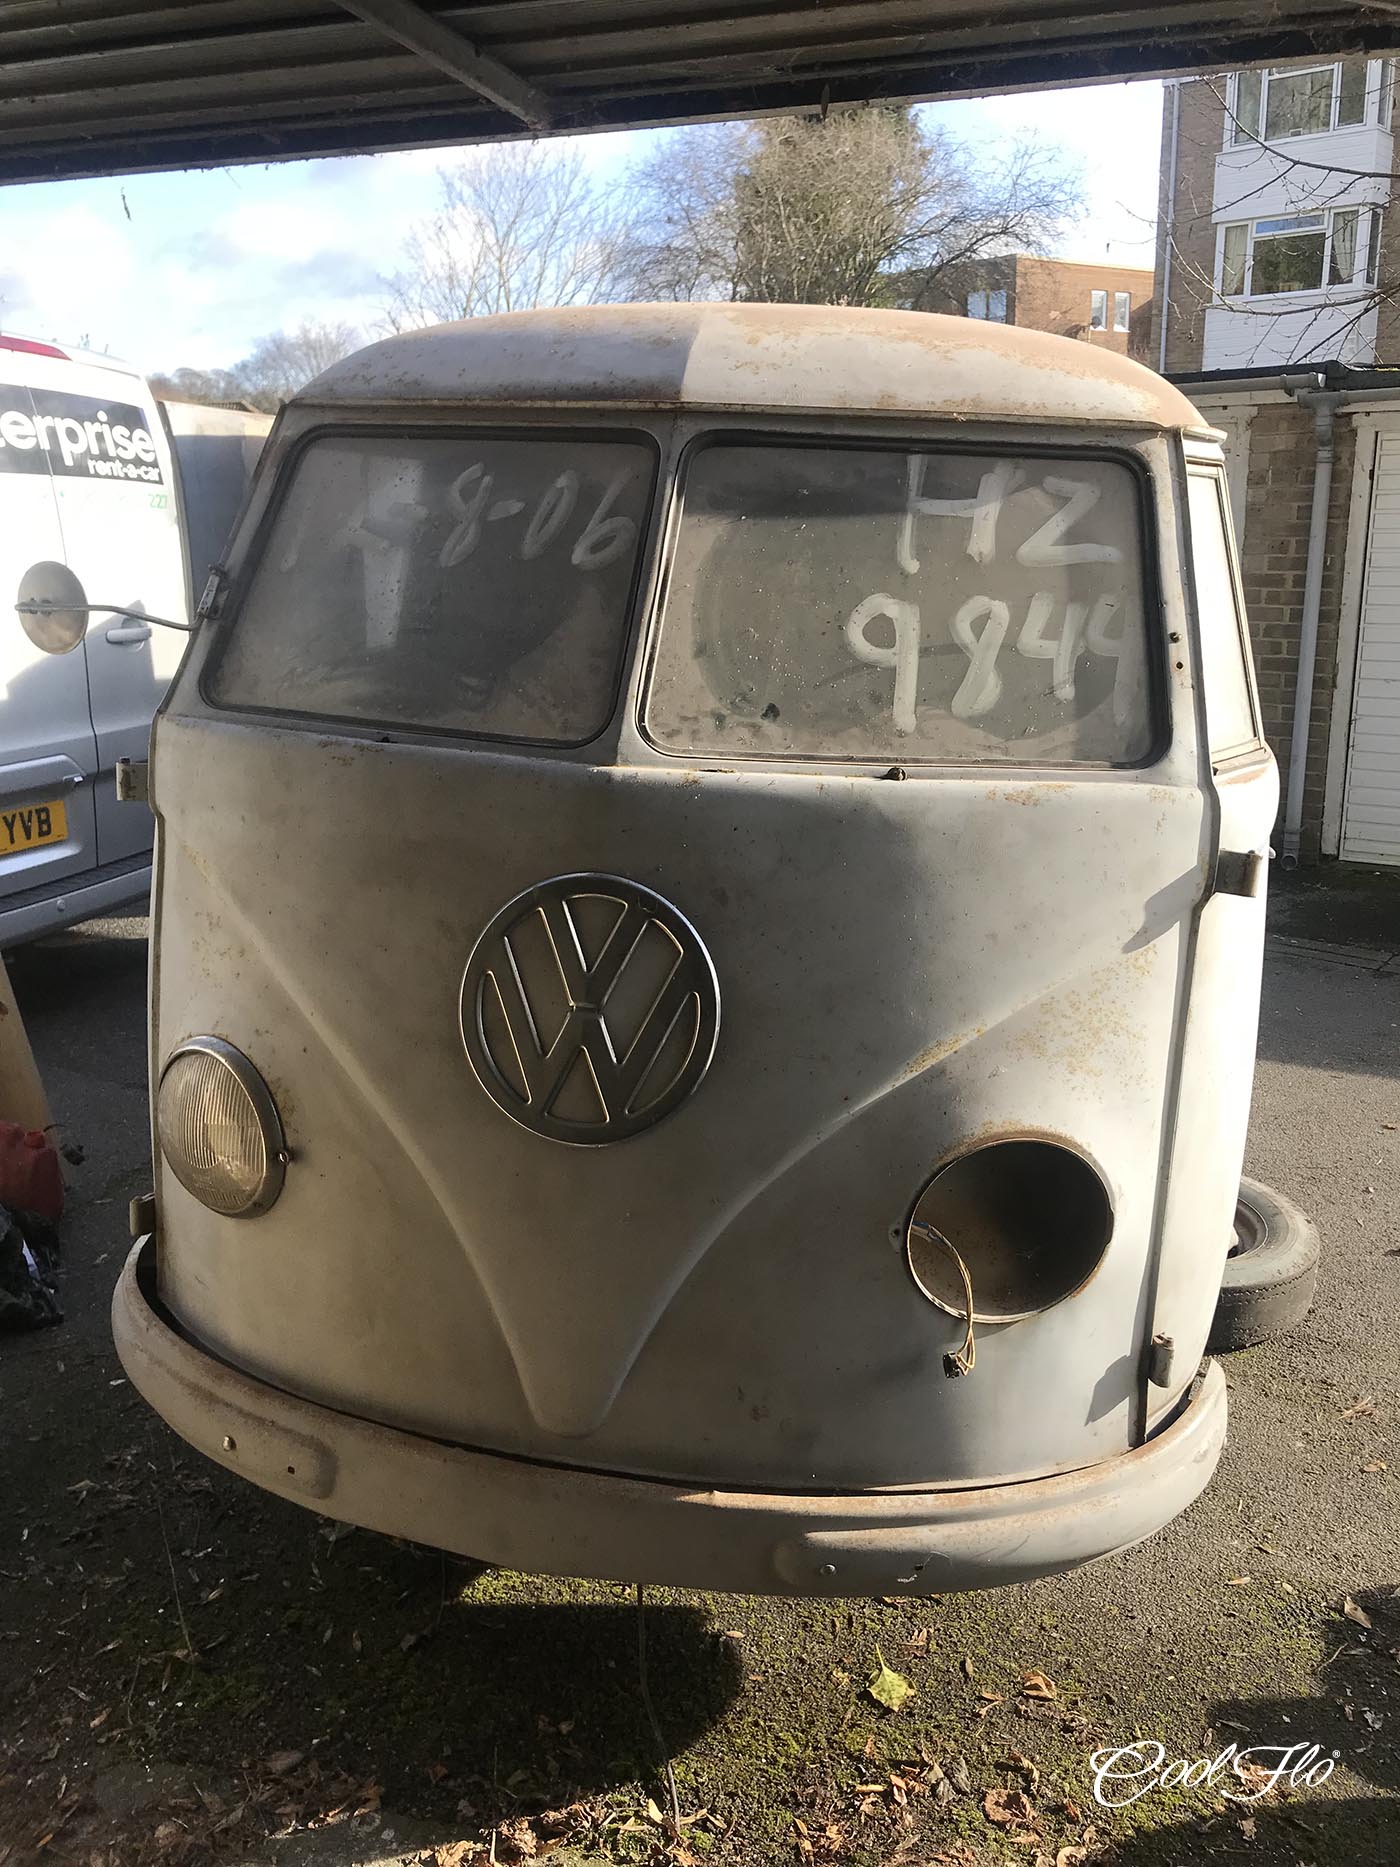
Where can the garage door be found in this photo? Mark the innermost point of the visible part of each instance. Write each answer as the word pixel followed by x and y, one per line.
pixel 1371 813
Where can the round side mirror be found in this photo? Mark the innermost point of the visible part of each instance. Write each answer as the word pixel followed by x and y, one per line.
pixel 52 608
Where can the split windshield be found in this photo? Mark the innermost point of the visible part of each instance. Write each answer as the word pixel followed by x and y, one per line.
pixel 834 602
pixel 471 584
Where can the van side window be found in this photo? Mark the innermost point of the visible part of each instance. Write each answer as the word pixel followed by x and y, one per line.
pixel 1232 722
pixel 861 603
pixel 468 583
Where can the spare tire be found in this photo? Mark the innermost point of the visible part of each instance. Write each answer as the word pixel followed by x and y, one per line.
pixel 1271 1272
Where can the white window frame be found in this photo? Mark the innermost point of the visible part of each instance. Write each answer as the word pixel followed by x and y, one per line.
pixel 1239 135
pixel 1365 237
pixel 1122 303
pixel 1094 298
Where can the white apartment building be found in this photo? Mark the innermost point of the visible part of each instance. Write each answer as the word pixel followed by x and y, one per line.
pixel 1276 186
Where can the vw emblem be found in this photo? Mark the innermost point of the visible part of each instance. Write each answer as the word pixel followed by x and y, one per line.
pixel 590 1009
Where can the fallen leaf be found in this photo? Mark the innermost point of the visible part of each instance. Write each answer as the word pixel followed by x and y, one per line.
pixel 1008 1808
pixel 1036 1685
pixel 989 1701
pixel 1249 1827
pixel 887 1687
pixel 1374 1719
pixel 919 1639
pixel 654 1812
pixel 356 1641
pixel 1023 1766
pixel 96 1723
pixel 1071 1857
pixel 959 1776
pixel 1353 1613
pixel 1239 1581
pixel 1360 1409
pixel 1375 1465
pixel 967 1666
pixel 281 1761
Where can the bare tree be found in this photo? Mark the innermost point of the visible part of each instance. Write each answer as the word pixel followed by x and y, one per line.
pixel 519 225
pixel 1361 280
pixel 831 209
pixel 285 361
pixel 192 385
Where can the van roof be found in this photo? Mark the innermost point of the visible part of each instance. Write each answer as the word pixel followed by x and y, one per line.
pixel 758 357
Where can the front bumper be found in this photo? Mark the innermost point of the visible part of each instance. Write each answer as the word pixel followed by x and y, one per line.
pixel 564 1521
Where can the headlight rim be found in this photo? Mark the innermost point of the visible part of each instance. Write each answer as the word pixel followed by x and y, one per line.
pixel 249 1079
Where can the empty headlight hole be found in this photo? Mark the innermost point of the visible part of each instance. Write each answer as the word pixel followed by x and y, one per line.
pixel 1030 1219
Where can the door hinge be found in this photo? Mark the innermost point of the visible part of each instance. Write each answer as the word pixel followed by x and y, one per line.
pixel 1239 872
pixel 1161 1353
pixel 133 781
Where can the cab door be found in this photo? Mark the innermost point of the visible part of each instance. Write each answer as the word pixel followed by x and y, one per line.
pixel 1222 1010
pixel 48 752
pixel 114 484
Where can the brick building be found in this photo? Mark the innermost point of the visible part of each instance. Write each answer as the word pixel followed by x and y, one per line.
pixel 1275 232
pixel 1102 304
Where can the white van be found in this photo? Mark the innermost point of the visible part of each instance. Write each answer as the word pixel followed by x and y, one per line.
pixel 88 481
pixel 706 853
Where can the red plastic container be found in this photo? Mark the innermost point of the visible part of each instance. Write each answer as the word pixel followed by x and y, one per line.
pixel 31 1179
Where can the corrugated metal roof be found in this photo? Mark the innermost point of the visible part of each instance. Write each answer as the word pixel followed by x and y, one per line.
pixel 788 357
pixel 88 87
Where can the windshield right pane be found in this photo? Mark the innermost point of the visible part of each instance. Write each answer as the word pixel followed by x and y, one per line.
pixel 828 602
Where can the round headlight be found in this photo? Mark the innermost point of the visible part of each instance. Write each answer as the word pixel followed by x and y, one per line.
pixel 219 1128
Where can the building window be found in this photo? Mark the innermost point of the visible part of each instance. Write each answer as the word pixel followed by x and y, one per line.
pixel 1298 253
pixel 1098 311
pixel 1122 310
pixel 989 305
pixel 1274 105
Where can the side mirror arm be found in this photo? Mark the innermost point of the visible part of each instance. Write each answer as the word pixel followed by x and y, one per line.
pixel 35 607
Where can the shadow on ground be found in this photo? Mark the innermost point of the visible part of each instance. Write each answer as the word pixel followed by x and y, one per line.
pixel 1343 1720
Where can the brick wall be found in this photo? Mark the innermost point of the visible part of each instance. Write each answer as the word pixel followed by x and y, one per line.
pixel 1201 134
pixel 1057 294
pixel 1278 508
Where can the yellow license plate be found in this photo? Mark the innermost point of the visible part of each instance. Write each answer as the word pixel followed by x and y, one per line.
pixel 30 826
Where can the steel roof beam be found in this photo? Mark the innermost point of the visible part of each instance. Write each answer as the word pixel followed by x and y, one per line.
pixel 439 45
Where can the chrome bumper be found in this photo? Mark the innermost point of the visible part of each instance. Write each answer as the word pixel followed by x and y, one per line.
pixel 564 1521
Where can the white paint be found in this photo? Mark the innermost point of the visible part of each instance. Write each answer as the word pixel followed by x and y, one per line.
pixel 604 539
pixel 981 685
pixel 982 510
pixel 1044 549
pixel 1371 806
pixel 1291 328
pixel 551 515
pixel 464 537
pixel 1063 650
pixel 903 657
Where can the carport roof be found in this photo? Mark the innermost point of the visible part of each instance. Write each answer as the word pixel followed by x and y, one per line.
pixel 90 88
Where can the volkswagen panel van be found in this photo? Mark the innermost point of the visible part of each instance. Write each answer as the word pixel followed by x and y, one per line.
pixel 708 917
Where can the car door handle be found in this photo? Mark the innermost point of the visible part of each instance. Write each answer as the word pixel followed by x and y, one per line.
pixel 127 632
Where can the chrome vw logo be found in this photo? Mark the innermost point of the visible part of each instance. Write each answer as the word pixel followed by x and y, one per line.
pixel 590 1009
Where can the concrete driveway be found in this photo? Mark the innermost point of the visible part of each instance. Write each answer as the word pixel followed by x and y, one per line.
pixel 196 1672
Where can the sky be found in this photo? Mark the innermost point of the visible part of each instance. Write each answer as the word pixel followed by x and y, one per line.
pixel 192 268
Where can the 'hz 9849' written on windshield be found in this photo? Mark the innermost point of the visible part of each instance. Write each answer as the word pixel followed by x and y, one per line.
pixel 854 603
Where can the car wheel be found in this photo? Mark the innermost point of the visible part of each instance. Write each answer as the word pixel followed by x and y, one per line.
pixel 1271 1272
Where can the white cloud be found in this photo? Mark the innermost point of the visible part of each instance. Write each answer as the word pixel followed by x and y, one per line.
pixel 195 267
